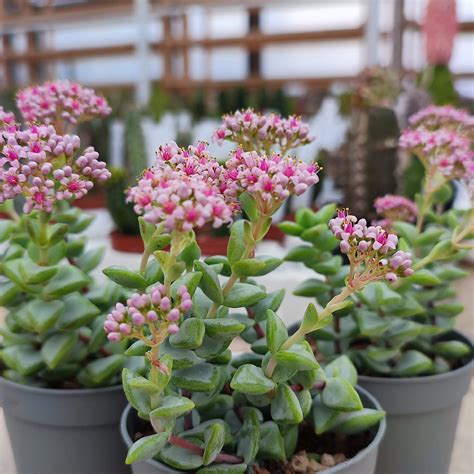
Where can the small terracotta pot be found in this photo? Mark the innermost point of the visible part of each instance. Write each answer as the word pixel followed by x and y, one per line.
pixel 92 200
pixel 126 242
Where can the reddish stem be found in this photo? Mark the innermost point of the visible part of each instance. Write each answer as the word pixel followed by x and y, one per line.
pixel 317 386
pixel 259 330
pixel 222 457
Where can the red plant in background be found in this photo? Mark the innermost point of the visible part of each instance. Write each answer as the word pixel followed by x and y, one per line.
pixel 440 26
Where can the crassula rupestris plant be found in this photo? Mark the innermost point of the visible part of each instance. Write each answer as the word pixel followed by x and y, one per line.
pixel 398 331
pixel 206 410
pixel 52 334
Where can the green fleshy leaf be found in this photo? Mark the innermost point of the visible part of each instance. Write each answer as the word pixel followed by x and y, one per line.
pixel 125 277
pixel 357 421
pixel 249 436
pixel 147 447
pixel 139 400
pixel 339 394
pixel 285 407
pixel 385 295
pixel 276 332
pixel 35 274
pixel 213 443
pixel 190 254
pixel 272 301
pixel 217 260
pixel 142 383
pixel 243 295
pixel 209 283
pixel 190 334
pixel 305 217
pixel 248 267
pixel 67 280
pixel 201 304
pixel 237 242
pixel 330 266
pixel 8 292
pixel 182 358
pixel 57 347
pixel 424 277
pixel 250 379
pixel 90 259
pixel 343 367
pixel 43 315
pixel 302 253
pixel 290 228
pixel 323 418
pixel 311 287
pixel 412 363
pixel 138 348
pixel 23 359
pixel 297 358
pixel 199 378
pixel 452 349
pixel 190 280
pixel 448 310
pixel 180 458
pixel 272 445
pixel 99 371
pixel 405 230
pixel 429 236
pixel 78 311
pixel 172 405
pixel 370 324
pixel 305 400
pixel 323 215
pixel 223 329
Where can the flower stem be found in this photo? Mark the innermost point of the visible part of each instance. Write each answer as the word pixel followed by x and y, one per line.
pixel 256 229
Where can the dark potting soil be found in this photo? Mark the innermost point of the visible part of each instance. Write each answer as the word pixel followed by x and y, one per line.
pixel 311 448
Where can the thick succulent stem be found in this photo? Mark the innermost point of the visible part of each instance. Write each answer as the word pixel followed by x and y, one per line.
pixel 43 238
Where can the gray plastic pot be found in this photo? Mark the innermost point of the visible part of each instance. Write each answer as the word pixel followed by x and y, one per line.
pixel 64 431
pixel 422 415
pixel 363 463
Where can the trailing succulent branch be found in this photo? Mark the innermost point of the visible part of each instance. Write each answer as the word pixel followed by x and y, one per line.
pixel 211 411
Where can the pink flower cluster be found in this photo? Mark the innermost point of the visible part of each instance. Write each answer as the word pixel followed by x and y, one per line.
pixel 435 117
pixel 446 150
pixel 41 165
pixel 396 208
pixel 157 311
pixel 257 132
pixel 183 190
pixel 372 246
pixel 269 179
pixel 60 100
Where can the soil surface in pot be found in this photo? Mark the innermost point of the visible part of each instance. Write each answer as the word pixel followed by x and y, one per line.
pixel 314 453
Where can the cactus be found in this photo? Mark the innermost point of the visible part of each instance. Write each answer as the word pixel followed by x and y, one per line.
pixel 135 160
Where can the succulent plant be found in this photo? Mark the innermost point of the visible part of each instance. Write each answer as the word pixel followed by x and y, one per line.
pixel 400 331
pixel 52 333
pixel 205 409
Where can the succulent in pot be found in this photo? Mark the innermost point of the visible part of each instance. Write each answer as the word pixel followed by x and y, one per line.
pixel 199 408
pixel 406 330
pixel 54 359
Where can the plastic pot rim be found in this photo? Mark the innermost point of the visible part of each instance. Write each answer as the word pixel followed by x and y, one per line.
pixel 374 444
pixel 59 392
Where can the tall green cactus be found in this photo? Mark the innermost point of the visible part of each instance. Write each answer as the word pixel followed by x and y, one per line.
pixel 135 162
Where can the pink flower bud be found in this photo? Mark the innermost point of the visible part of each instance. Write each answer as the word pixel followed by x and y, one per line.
pixel 173 315
pixel 114 337
pixel 186 305
pixel 125 329
pixel 165 304
pixel 391 277
pixel 152 316
pixel 345 246
pixel 111 326
pixel 173 328
pixel 138 319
